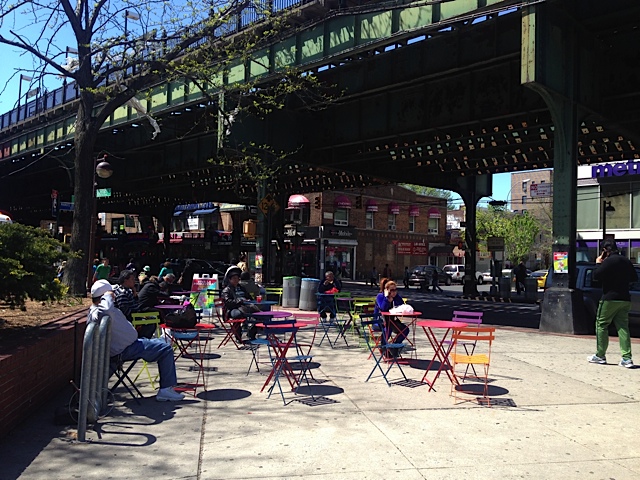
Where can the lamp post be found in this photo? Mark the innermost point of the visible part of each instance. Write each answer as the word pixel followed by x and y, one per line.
pixel 103 170
pixel 23 78
pixel 129 15
pixel 607 211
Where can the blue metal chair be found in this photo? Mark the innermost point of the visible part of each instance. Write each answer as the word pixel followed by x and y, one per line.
pixel 382 351
pixel 327 304
pixel 258 342
pixel 279 347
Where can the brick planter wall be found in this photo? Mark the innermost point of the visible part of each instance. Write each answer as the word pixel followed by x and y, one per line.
pixel 32 373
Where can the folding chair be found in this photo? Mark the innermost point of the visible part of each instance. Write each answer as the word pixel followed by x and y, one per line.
pixel 147 318
pixel 277 291
pixel 474 318
pixel 280 360
pixel 122 375
pixel 383 350
pixel 256 343
pixel 483 338
pixel 227 324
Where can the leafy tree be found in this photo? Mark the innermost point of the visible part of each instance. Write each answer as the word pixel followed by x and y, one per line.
pixel 27 256
pixel 124 48
pixel 432 192
pixel 518 230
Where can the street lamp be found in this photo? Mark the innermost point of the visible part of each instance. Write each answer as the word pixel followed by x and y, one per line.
pixel 103 170
pixel 607 211
pixel 129 15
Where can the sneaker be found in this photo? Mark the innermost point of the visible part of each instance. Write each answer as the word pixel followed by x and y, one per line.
pixel 597 359
pixel 626 363
pixel 168 394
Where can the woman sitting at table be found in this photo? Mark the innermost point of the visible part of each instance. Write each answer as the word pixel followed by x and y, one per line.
pixel 385 301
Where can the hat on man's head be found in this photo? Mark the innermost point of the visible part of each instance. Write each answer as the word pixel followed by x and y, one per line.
pixel 124 275
pixel 147 269
pixel 100 288
pixel 231 271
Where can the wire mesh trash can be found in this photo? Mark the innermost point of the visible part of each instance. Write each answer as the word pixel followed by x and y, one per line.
pixel 308 290
pixel 290 292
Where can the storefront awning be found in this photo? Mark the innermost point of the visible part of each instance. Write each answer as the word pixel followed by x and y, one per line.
pixel 297 201
pixel 414 211
pixel 434 213
pixel 204 211
pixel 177 213
pixel 342 201
pixel 441 251
pixel 394 208
pixel 372 205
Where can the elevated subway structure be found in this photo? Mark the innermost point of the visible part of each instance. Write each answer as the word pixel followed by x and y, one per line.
pixel 478 88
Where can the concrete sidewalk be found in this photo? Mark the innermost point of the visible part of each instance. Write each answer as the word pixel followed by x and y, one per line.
pixel 557 417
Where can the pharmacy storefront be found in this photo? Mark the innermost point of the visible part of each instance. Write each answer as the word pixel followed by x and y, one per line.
pixel 608 205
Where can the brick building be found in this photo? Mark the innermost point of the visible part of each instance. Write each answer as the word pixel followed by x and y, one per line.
pixel 352 231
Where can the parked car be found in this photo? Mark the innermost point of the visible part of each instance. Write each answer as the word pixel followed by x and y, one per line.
pixel 592 291
pixel 457 273
pixel 422 275
pixel 487 277
pixel 540 276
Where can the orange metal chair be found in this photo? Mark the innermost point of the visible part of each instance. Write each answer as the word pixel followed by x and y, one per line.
pixel 483 338
pixel 474 318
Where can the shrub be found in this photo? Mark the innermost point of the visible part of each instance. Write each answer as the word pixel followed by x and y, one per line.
pixel 27 257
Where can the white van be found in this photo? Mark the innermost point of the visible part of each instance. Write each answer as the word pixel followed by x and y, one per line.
pixel 457 273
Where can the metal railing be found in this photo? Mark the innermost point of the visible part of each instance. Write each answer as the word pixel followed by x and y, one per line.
pixel 69 91
pixel 94 382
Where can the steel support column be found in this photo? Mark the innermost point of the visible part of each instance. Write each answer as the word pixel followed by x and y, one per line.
pixel 552 46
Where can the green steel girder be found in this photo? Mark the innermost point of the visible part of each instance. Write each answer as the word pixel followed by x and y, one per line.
pixel 327 40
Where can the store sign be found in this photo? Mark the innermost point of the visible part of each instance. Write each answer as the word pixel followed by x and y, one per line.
pixel 331 231
pixel 539 190
pixel 420 249
pixel 404 248
pixel 195 206
pixel 615 169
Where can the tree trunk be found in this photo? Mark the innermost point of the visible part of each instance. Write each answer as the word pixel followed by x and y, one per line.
pixel 85 139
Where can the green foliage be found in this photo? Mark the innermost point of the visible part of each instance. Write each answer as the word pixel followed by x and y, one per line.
pixel 518 230
pixel 27 256
pixel 432 192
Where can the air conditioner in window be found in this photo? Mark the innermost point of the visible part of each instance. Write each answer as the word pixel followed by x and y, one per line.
pixel 392 227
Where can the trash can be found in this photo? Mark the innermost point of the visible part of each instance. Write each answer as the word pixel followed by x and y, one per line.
pixel 505 287
pixel 530 289
pixel 290 292
pixel 308 290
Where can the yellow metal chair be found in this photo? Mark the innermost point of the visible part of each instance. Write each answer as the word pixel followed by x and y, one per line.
pixel 277 291
pixel 147 318
pixel 483 338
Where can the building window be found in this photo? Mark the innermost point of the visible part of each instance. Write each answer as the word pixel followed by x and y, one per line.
pixel 392 221
pixel 433 225
pixel 524 200
pixel 524 186
pixel 368 220
pixel 412 224
pixel 341 217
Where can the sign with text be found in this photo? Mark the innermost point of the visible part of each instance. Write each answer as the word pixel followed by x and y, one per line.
pixel 495 244
pixel 404 248
pixel 103 192
pixel 540 190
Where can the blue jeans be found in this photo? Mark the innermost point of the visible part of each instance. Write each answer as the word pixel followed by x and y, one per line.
pixel 154 350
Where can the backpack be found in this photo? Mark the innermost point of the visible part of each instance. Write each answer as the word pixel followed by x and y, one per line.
pixel 183 317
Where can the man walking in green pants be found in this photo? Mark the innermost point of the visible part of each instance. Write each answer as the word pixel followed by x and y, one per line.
pixel 615 272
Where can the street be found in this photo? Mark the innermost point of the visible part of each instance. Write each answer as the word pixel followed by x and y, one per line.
pixel 441 305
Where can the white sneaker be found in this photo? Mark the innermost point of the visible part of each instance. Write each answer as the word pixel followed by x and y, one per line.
pixel 626 363
pixel 597 359
pixel 168 394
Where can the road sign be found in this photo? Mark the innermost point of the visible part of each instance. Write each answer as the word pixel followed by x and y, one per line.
pixel 495 244
pixel 267 202
pixel 66 206
pixel 103 192
pixel 539 190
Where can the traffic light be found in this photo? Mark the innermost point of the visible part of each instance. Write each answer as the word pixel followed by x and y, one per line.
pixel 316 203
pixel 359 202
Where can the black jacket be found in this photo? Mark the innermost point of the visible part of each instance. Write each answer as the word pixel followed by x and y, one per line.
pixel 231 300
pixel 322 288
pixel 615 273
pixel 150 296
